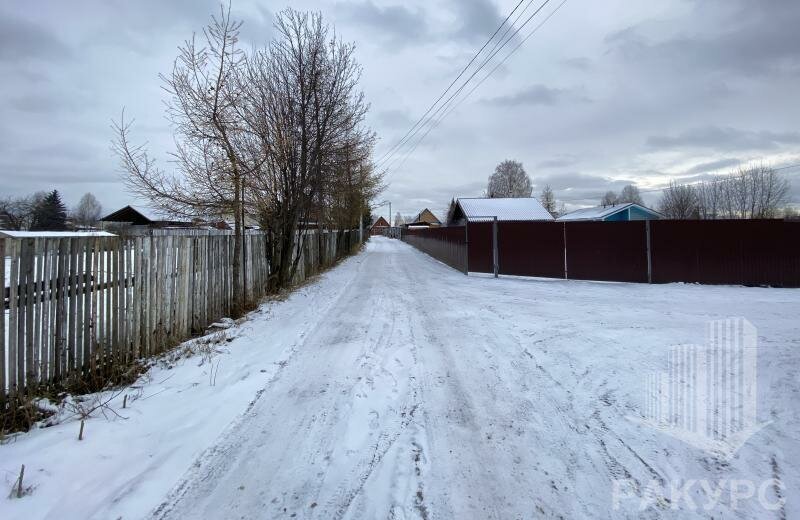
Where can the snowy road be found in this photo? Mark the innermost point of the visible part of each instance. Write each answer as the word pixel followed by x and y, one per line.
pixel 420 393
pixel 396 387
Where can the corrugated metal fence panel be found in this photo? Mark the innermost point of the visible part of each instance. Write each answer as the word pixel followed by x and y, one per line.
pixel 746 252
pixel 531 248
pixel 446 244
pixel 479 237
pixel 609 251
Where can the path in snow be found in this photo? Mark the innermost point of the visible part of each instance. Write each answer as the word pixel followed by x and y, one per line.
pixel 422 393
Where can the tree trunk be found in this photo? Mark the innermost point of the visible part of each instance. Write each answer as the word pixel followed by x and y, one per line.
pixel 238 303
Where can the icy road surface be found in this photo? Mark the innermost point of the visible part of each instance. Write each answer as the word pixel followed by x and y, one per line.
pixel 396 387
pixel 423 393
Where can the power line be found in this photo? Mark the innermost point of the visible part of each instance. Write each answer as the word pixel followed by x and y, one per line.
pixel 494 52
pixel 471 61
pixel 449 109
pixel 458 103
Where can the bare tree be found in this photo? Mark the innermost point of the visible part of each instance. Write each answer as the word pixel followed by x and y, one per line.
pixel 17 212
pixel 305 109
pixel 630 194
pixel 710 195
pixel 211 149
pixel 88 211
pixel 509 180
pixel 679 201
pixel 756 191
pixel 610 198
pixel 548 200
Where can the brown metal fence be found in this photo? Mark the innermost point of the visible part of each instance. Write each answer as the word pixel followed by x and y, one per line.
pixel 446 244
pixel 746 252
pixel 609 251
pixel 742 252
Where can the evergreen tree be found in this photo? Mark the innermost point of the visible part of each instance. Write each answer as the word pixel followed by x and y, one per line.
pixel 548 200
pixel 50 214
pixel 451 209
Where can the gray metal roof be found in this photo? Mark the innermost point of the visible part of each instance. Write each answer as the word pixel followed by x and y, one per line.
pixel 527 208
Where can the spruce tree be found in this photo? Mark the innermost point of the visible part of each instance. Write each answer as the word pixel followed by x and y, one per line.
pixel 50 214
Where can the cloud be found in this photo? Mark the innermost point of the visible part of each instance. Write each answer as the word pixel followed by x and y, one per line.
pixel 535 95
pixel 578 63
pixel 394 118
pixel 476 19
pixel 713 166
pixel 21 40
pixel 41 104
pixel 559 162
pixel 395 24
pixel 747 38
pixel 716 138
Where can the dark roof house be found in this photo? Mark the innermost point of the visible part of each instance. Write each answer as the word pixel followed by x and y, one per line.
pixel 134 216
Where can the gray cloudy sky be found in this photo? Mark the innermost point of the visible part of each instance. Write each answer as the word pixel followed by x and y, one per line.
pixel 604 94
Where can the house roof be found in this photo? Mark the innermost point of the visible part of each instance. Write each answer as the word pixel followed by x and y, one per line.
pixel 419 217
pixel 600 212
pixel 138 215
pixel 53 234
pixel 524 208
pixel 380 220
pixel 130 214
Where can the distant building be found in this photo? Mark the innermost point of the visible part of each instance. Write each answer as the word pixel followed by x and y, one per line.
pixel 379 226
pixel 424 218
pixel 505 209
pixel 137 220
pixel 614 213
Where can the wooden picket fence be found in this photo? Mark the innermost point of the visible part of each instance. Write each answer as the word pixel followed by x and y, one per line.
pixel 72 304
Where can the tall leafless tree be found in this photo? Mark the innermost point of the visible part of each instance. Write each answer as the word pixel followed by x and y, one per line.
pixel 305 108
pixel 18 212
pixel 630 194
pixel 509 180
pixel 88 211
pixel 679 201
pixel 755 191
pixel 204 89
pixel 609 198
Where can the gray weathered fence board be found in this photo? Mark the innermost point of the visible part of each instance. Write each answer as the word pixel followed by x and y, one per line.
pixel 74 303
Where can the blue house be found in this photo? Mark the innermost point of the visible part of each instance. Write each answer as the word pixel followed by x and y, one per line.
pixel 614 213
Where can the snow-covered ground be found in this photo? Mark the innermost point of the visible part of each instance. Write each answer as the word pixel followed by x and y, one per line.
pixel 395 387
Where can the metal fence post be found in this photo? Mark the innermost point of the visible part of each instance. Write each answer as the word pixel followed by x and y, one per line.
pixel 495 255
pixel 466 248
pixel 649 253
pixel 566 272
